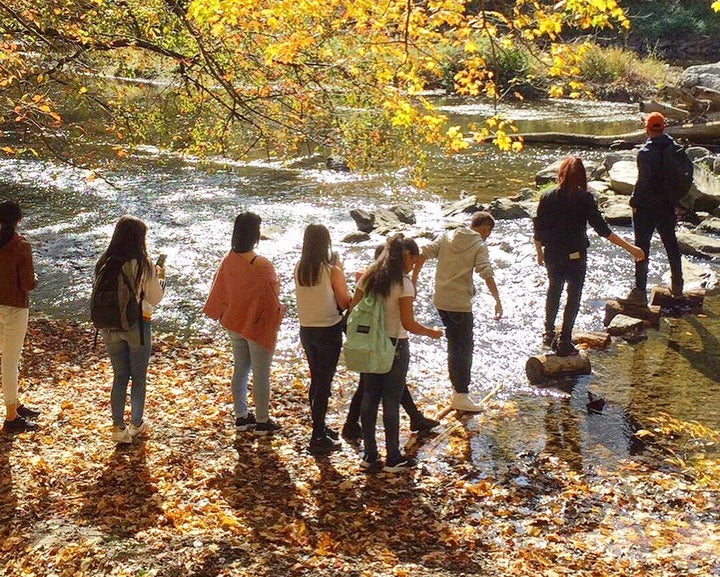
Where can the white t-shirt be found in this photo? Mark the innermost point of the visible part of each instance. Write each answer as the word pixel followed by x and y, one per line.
pixel 393 323
pixel 316 304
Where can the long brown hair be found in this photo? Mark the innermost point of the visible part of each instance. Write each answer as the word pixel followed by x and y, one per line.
pixel 387 269
pixel 10 215
pixel 127 243
pixel 572 177
pixel 316 251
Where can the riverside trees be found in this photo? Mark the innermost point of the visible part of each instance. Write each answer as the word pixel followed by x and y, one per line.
pixel 230 76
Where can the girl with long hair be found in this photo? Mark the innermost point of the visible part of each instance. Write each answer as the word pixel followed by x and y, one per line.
pixel 561 242
pixel 244 298
pixel 17 279
pixel 387 278
pixel 322 295
pixel 129 350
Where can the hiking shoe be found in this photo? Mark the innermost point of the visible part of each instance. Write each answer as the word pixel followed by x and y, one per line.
pixel 323 444
pixel 401 464
pixel 121 435
pixel 140 429
pixel 246 423
pixel 636 297
pixel 462 402
pixel 19 425
pixel 371 462
pixel 423 425
pixel 332 433
pixel 548 339
pixel 267 428
pixel 27 412
pixel 566 349
pixel 352 432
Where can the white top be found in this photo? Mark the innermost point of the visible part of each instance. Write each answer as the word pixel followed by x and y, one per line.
pixel 393 322
pixel 151 285
pixel 316 304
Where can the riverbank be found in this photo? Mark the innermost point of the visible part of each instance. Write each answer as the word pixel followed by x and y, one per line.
pixel 194 499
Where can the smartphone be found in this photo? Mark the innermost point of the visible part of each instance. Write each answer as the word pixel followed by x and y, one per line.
pixel 161 260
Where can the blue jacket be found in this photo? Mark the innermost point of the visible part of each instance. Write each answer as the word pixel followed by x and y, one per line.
pixel 647 193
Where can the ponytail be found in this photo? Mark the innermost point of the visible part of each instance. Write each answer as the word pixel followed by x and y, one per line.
pixel 10 215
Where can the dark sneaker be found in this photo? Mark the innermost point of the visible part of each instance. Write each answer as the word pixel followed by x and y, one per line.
pixel 636 297
pixel 371 462
pixel 246 423
pixel 548 339
pixel 27 412
pixel 352 432
pixel 566 349
pixel 323 444
pixel 267 428
pixel 423 425
pixel 332 433
pixel 18 425
pixel 401 464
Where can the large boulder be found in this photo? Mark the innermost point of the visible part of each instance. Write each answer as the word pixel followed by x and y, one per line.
pixel 623 176
pixel 710 225
pixel 506 209
pixel 698 245
pixel 404 212
pixel 548 175
pixel 705 75
pixel 617 211
pixel 364 220
pixel 695 276
pixel 620 156
pixel 467 204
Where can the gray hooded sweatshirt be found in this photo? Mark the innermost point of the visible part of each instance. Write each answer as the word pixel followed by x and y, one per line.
pixel 459 252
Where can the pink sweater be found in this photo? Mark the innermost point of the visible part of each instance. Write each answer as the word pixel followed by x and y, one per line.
pixel 244 298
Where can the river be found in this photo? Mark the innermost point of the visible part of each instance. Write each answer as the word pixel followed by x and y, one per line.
pixel 189 208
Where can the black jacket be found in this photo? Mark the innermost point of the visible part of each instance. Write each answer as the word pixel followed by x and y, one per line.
pixel 561 221
pixel 647 193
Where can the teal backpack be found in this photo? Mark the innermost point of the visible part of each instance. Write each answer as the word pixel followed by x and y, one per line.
pixel 368 349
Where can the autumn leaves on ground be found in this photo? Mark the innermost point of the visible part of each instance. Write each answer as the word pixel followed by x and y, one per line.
pixel 194 499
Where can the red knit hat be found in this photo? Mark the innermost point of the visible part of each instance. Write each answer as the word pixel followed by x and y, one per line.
pixel 655 122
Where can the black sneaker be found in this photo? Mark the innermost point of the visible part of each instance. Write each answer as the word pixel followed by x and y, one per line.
pixel 352 432
pixel 401 464
pixel 332 433
pixel 371 462
pixel 548 339
pixel 19 425
pixel 27 412
pixel 245 423
pixel 423 425
pixel 267 428
pixel 323 444
pixel 566 349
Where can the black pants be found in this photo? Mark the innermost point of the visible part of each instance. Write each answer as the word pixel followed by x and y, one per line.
pixel 645 222
pixel 322 348
pixel 562 270
pixel 406 401
pixel 388 388
pixel 459 333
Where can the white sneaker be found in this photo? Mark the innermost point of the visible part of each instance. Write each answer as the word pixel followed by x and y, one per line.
pixel 462 402
pixel 121 435
pixel 136 430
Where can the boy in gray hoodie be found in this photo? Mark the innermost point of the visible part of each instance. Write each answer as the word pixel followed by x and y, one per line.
pixel 459 252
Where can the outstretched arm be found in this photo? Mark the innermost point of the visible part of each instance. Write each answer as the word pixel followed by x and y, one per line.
pixel 636 252
pixel 492 287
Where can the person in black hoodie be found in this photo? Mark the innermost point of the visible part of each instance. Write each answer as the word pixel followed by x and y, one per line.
pixel 653 210
pixel 17 279
pixel 561 242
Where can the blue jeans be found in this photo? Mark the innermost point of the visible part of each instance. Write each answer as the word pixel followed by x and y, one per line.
pixel 459 333
pixel 389 388
pixel 129 360
pixel 249 355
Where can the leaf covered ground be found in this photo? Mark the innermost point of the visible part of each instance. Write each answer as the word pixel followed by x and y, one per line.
pixel 195 499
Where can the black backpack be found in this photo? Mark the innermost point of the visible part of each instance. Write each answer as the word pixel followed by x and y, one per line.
pixel 114 304
pixel 676 172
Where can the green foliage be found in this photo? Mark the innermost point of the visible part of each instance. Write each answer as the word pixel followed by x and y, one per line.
pixel 617 66
pixel 673 19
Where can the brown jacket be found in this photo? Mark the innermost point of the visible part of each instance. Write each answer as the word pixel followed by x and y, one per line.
pixel 17 275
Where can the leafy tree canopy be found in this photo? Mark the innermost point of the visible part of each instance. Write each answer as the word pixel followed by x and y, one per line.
pixel 230 76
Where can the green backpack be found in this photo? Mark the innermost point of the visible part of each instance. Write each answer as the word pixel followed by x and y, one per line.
pixel 368 349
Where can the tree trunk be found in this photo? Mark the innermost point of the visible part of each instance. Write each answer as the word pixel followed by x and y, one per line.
pixel 540 367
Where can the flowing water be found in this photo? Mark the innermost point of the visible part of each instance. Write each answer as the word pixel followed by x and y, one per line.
pixel 190 208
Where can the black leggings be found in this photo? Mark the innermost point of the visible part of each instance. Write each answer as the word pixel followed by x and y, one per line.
pixel 561 270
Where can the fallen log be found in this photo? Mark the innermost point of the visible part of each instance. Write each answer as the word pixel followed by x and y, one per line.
pixel 650 314
pixel 539 368
pixel 707 133
pixel 666 110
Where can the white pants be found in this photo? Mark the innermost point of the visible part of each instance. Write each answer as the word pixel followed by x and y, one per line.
pixel 13 325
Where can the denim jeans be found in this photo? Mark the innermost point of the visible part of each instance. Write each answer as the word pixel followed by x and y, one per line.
pixel 459 333
pixel 562 270
pixel 13 326
pixel 645 222
pixel 322 348
pixel 387 388
pixel 130 359
pixel 248 355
